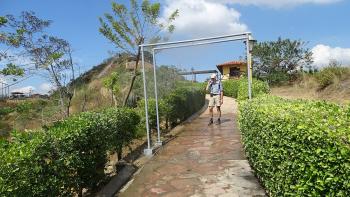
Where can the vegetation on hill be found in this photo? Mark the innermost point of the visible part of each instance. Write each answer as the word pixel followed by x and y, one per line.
pixel 90 94
pixel 279 61
pixel 331 83
pixel 286 65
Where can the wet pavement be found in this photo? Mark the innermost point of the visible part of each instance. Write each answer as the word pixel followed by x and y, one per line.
pixel 202 161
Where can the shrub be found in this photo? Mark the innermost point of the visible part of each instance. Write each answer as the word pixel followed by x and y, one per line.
pixel 175 107
pixel 231 88
pixel 239 88
pixel 182 103
pixel 298 148
pixel 152 115
pixel 24 107
pixel 66 157
pixel 279 77
pixel 258 88
pixel 6 110
pixel 329 74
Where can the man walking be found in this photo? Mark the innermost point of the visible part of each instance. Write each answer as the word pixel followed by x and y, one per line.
pixel 216 97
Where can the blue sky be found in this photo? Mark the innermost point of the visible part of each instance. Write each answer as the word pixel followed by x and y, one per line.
pixel 322 23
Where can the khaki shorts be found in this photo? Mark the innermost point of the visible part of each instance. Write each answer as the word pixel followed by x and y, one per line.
pixel 214 101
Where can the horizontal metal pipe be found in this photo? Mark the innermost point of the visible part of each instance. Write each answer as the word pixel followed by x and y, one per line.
pixel 201 43
pixel 198 39
pixel 198 72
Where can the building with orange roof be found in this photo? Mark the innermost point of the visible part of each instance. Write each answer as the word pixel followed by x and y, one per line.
pixel 232 69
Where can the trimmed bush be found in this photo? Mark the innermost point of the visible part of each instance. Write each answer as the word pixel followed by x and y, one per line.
pixel 297 148
pixel 258 88
pixel 239 88
pixel 231 88
pixel 182 103
pixel 67 157
pixel 152 115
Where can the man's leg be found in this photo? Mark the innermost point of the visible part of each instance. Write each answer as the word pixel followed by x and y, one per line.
pixel 219 111
pixel 218 105
pixel 211 106
pixel 211 115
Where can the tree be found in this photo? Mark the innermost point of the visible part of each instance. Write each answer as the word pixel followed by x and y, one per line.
pixel 15 35
pixel 50 56
pixel 111 82
pixel 280 60
pixel 54 56
pixel 127 29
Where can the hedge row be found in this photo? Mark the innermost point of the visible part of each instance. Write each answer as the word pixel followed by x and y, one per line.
pixel 66 157
pixel 298 148
pixel 239 88
pixel 62 159
pixel 175 107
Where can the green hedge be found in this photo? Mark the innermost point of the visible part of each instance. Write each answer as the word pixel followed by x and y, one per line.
pixel 298 148
pixel 66 157
pixel 231 88
pixel 239 88
pixel 152 115
pixel 180 104
pixel 258 88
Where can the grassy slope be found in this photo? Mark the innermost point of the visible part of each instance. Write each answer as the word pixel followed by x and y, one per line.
pixel 89 92
pixel 308 88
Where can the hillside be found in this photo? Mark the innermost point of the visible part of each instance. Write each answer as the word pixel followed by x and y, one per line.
pixel 90 94
pixel 308 87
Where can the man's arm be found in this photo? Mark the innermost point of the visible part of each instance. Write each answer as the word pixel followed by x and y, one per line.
pixel 221 94
pixel 222 97
pixel 207 88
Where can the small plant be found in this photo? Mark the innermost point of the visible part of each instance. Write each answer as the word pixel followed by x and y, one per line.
pixel 6 110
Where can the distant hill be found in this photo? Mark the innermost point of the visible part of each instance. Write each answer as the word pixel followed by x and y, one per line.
pixel 90 93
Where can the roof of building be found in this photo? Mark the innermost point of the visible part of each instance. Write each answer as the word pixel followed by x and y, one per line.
pixel 231 63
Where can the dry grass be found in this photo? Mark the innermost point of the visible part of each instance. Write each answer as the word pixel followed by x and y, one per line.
pixel 308 88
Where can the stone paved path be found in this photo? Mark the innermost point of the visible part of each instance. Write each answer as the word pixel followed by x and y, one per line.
pixel 202 161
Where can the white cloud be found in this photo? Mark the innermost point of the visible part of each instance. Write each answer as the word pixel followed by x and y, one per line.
pixel 276 3
pixel 204 18
pixel 26 89
pixel 45 87
pixel 322 54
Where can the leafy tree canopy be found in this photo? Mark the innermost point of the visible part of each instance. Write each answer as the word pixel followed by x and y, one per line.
pixel 277 60
pixel 16 33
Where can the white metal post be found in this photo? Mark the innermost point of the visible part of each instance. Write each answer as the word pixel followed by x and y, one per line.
pixel 248 69
pixel 147 151
pixel 159 142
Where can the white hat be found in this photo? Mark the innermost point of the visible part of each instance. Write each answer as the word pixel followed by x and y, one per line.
pixel 213 76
